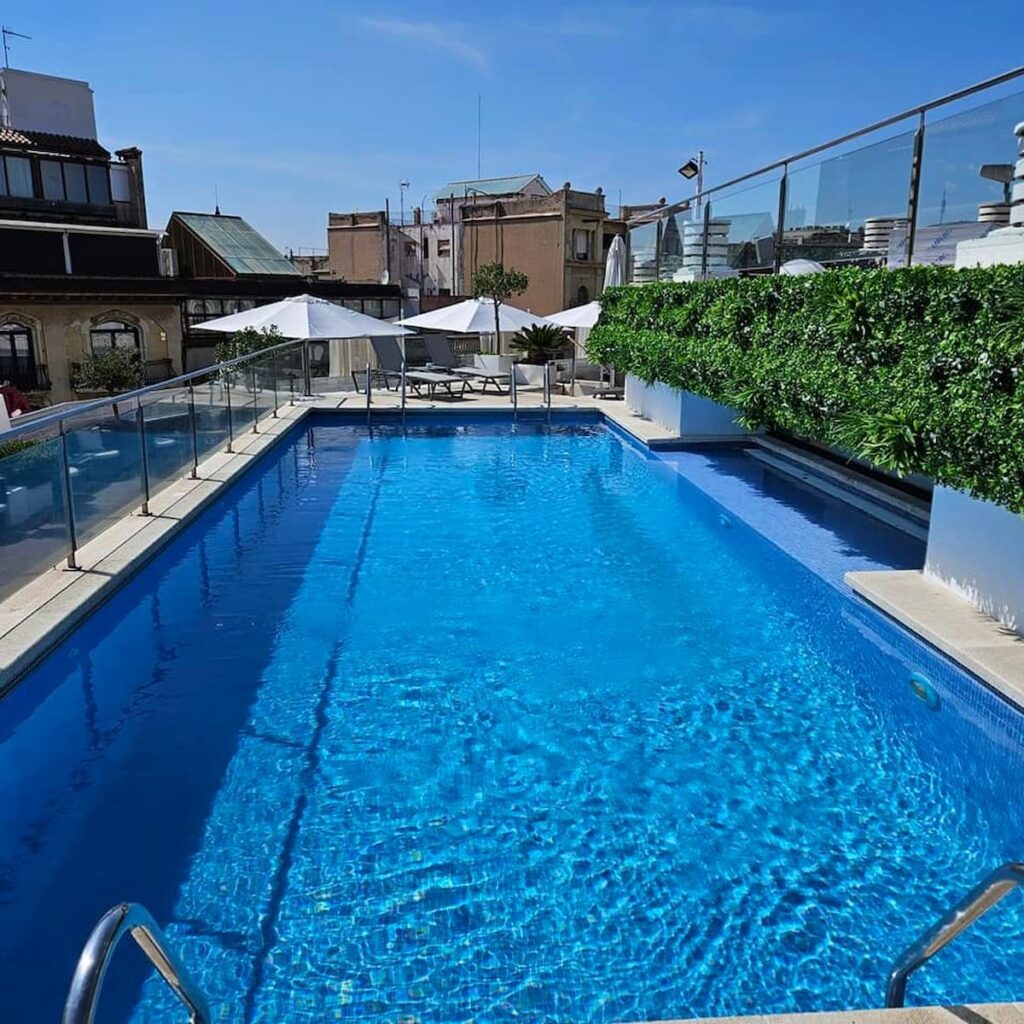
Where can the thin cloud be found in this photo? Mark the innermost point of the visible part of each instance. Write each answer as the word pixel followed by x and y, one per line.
pixel 430 33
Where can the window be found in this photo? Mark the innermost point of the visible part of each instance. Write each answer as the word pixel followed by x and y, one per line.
pixel 426 248
pixel 19 176
pixel 99 184
pixel 74 183
pixel 17 356
pixel 582 295
pixel 113 334
pixel 582 244
pixel 392 308
pixel 53 180
pixel 444 247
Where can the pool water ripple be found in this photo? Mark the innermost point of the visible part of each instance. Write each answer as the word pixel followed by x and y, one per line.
pixel 516 729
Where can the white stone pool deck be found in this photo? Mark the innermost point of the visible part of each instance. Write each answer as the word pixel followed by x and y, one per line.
pixel 982 1013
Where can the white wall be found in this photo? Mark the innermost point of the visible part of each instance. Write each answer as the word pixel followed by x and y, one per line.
pixel 43 103
pixel 976 548
pixel 684 413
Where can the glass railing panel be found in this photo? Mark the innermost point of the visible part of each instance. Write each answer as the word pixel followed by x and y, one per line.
pixel 33 513
pixel 211 403
pixel 237 384
pixel 852 206
pixel 966 165
pixel 168 436
pixel 105 460
pixel 264 381
pixel 742 228
pixel 643 253
pixel 288 372
pixel 679 239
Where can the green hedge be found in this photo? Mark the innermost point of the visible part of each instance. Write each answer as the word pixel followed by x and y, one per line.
pixel 918 370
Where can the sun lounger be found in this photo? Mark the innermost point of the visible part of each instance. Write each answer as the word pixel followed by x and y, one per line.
pixel 439 349
pixel 389 361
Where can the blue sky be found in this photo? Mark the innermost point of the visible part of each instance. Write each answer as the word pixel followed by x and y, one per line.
pixel 292 110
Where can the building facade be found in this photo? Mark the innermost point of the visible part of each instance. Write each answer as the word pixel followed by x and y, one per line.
pixel 559 239
pixel 81 271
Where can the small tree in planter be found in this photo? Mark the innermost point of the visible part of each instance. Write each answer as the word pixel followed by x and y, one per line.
pixel 492 281
pixel 112 370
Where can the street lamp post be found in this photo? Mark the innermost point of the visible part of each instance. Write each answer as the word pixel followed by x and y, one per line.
pixel 402 186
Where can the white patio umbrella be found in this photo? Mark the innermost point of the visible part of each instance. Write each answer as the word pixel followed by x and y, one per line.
pixel 305 317
pixel 615 264
pixel 578 316
pixel 474 316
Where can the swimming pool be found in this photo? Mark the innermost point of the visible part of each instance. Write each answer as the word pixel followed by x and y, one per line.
pixel 477 723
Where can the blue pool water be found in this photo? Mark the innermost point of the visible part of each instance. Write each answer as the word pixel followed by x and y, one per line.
pixel 474 725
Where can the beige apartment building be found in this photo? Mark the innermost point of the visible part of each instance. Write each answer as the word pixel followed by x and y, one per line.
pixel 558 238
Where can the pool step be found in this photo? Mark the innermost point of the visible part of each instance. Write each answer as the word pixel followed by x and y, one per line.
pixel 871 496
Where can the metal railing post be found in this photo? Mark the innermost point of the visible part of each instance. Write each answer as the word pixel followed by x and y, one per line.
pixel 704 242
pixel 231 426
pixel 915 188
pixel 195 435
pixel 273 380
pixel 547 386
pixel 369 390
pixel 403 393
pixel 145 459
pixel 255 402
pixel 306 372
pixel 781 226
pixel 514 391
pixel 69 504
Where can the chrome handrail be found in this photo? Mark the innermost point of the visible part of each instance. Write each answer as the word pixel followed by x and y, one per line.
pixel 37 422
pixel 87 982
pixel 904 115
pixel 982 898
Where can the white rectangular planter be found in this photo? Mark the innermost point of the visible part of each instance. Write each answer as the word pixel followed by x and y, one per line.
pixel 687 415
pixel 976 548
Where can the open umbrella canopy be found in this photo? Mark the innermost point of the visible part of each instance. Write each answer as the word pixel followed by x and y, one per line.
pixel 474 316
pixel 615 264
pixel 306 316
pixel 578 316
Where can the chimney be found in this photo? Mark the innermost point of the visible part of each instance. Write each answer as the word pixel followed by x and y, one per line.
pixel 417 216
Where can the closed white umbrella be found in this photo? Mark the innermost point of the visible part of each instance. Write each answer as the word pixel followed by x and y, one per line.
pixel 474 316
pixel 615 264
pixel 304 317
pixel 578 316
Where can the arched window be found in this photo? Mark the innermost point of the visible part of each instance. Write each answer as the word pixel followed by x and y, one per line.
pixel 17 356
pixel 113 334
pixel 582 296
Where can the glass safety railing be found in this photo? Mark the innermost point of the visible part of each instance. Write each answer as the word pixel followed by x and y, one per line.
pixel 68 475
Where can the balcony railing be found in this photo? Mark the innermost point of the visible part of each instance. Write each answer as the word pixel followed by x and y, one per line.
pixel 911 188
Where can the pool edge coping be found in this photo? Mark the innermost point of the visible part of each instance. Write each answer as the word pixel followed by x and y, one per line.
pixel 973 1013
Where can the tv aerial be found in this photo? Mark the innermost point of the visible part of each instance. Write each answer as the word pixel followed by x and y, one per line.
pixel 7 34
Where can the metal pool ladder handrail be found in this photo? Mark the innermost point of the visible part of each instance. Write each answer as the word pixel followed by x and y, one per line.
pixel 80 1007
pixel 982 898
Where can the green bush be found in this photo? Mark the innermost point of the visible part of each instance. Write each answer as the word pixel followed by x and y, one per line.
pixel 919 370
pixel 110 369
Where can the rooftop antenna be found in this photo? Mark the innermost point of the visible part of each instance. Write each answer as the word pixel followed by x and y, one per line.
pixel 216 201
pixel 7 33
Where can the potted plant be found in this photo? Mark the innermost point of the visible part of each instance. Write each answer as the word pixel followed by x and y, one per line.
pixel 538 346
